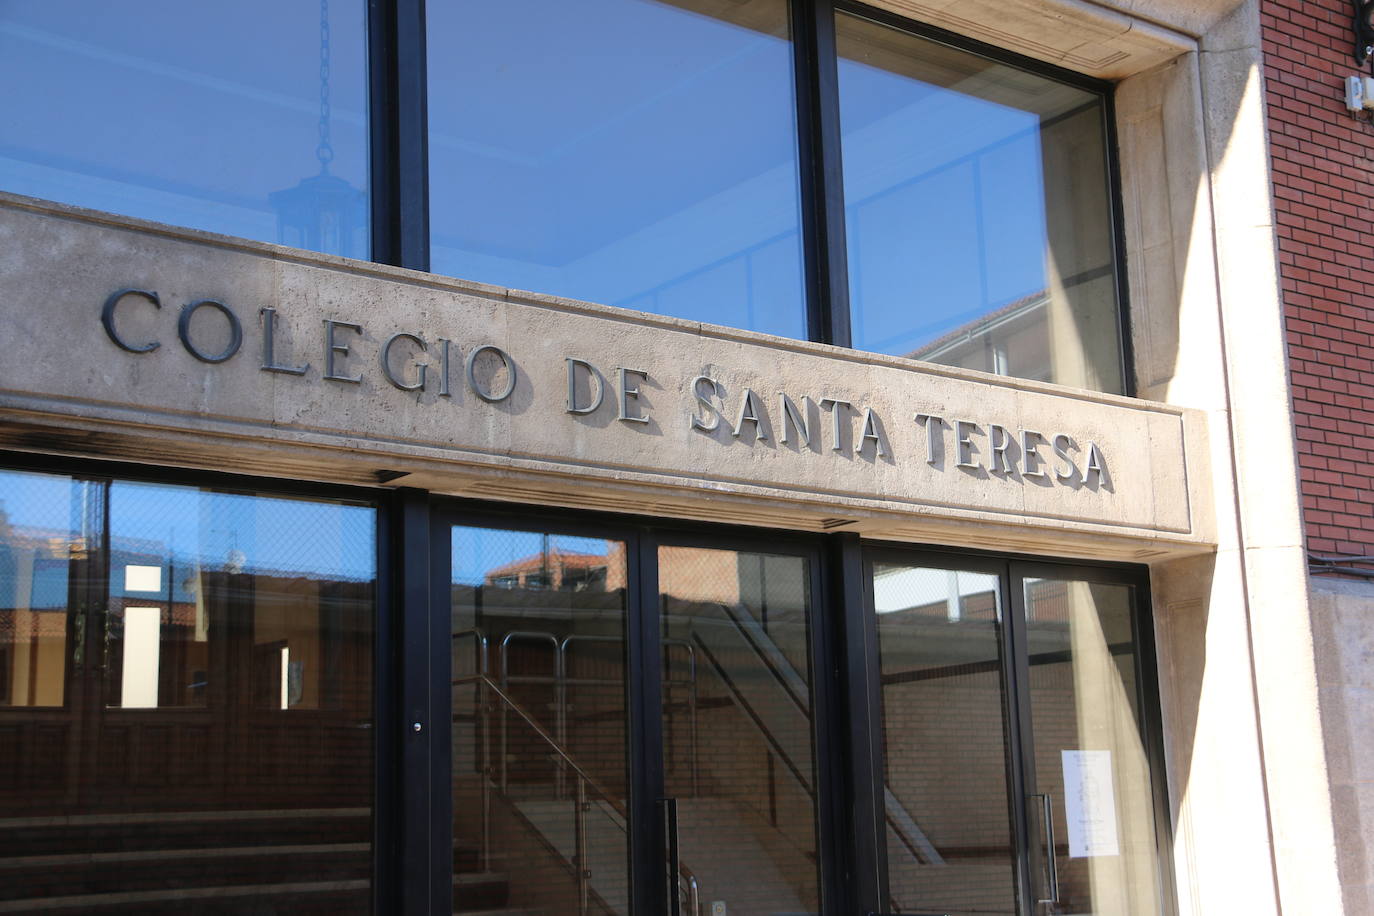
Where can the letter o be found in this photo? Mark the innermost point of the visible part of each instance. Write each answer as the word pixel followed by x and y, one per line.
pixel 184 331
pixel 471 369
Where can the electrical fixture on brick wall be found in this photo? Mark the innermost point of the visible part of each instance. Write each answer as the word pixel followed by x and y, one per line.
pixel 1359 92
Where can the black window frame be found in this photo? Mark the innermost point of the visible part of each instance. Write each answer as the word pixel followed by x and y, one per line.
pixel 864 680
pixel 399 140
pixel 412 801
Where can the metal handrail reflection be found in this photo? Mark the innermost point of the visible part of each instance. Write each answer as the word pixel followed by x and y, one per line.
pixel 584 781
pixel 515 707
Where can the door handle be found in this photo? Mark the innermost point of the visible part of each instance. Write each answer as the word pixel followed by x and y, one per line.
pixel 674 864
pixel 1051 866
pixel 79 637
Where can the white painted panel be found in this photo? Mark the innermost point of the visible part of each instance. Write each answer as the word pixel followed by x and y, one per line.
pixel 142 651
pixel 142 578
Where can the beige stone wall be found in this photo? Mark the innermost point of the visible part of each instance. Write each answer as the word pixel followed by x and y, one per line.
pixel 1343 620
pixel 1252 807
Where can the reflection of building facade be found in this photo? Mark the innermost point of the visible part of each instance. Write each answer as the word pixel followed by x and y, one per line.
pixel 557 570
pixel 914 527
pixel 989 343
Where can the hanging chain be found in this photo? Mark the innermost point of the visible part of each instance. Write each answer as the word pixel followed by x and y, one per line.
pixel 325 151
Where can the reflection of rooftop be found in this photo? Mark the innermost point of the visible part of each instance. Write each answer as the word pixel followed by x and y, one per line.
pixel 552 569
pixel 564 559
pixel 976 331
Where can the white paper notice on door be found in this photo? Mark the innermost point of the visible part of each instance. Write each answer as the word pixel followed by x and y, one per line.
pixel 1090 803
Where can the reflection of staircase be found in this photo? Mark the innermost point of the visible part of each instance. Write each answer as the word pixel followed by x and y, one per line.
pixel 779 707
pixel 556 822
pixel 317 862
pixel 565 825
pixel 737 848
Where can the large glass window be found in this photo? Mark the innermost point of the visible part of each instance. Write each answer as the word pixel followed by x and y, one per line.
pixel 636 153
pixel 187 714
pixel 630 152
pixel 246 118
pixel 978 212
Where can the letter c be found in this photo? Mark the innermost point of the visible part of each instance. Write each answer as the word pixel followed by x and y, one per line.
pixel 107 319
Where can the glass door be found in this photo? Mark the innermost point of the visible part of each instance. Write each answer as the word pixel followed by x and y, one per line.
pixel 632 723
pixel 1016 769
pixel 946 814
pixel 1087 764
pixel 540 742
pixel 739 762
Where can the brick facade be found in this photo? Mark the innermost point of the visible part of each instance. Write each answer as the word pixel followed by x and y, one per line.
pixel 1323 168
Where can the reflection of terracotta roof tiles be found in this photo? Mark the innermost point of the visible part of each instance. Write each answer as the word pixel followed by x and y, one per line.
pixel 976 325
pixel 555 559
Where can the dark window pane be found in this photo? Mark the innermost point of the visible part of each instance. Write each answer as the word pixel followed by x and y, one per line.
pixel 629 152
pixel 200 115
pixel 978 212
pixel 215 751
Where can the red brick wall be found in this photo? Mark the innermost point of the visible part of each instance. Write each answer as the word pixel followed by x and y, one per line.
pixel 1323 167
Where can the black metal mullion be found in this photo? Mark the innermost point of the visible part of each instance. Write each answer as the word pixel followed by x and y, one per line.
pixel 440 726
pixel 822 191
pixel 424 792
pixel 398 129
pixel 828 609
pixel 387 736
pixel 1118 217
pixel 859 844
pixel 645 672
pixel 1021 744
pixel 864 856
pixel 1152 724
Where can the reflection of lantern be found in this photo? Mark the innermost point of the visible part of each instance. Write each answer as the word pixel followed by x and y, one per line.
pixel 322 213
